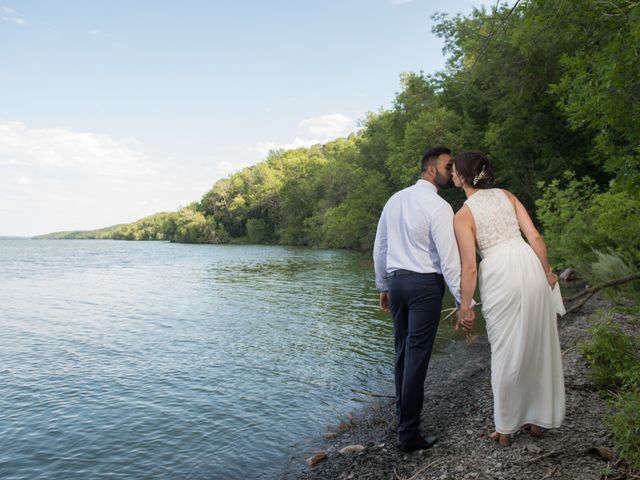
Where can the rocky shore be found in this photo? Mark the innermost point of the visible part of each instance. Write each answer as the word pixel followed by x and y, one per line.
pixel 458 409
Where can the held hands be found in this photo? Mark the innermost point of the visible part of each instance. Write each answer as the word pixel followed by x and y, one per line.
pixel 466 318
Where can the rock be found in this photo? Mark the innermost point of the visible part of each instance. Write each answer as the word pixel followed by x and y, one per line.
pixel 318 457
pixel 568 274
pixel 350 449
pixel 533 448
pixel 601 452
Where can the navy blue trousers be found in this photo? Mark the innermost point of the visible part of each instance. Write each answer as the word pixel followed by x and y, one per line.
pixel 416 301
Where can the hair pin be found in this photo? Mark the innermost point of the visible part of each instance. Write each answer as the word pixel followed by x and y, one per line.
pixel 478 177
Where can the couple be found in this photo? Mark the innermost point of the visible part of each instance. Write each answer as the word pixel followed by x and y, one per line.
pixel 420 246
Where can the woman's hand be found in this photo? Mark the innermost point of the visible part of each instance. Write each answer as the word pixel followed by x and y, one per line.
pixel 466 318
pixel 552 278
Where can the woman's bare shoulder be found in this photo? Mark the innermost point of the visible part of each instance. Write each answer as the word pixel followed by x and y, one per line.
pixel 512 198
pixel 464 214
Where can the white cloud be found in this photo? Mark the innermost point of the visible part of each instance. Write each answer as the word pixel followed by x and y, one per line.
pixel 63 149
pixel 16 20
pixel 224 167
pixel 23 181
pixel 55 179
pixel 265 147
pixel 8 10
pixel 313 131
pixel 327 127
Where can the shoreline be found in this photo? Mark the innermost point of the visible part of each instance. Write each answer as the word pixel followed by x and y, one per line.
pixel 458 409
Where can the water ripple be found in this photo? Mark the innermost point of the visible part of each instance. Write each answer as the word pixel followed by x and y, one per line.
pixel 155 360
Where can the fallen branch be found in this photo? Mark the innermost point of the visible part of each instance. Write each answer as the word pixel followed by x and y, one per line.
pixel 587 293
pixel 579 305
pixel 371 394
pixel 611 283
pixel 552 453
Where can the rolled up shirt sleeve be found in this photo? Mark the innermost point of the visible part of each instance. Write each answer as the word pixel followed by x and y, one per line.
pixel 444 240
pixel 380 254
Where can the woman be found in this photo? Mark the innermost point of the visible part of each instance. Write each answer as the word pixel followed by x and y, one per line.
pixel 515 280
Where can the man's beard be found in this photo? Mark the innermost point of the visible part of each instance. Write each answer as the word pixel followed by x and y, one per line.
pixel 442 182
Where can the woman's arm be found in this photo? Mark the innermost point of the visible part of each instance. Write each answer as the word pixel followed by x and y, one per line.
pixel 533 237
pixel 464 227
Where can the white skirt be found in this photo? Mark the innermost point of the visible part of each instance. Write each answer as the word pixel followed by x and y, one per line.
pixel 526 362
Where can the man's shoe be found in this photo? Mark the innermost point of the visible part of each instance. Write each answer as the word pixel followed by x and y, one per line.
pixel 417 443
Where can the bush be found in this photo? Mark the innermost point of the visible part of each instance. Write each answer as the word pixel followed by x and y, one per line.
pixel 625 425
pixel 616 222
pixel 567 230
pixel 612 356
pixel 615 365
pixel 579 220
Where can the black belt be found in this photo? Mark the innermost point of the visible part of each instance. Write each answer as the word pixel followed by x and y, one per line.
pixel 400 272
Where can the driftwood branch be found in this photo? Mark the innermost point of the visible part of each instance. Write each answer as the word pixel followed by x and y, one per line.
pixel 612 283
pixel 579 305
pixel 587 293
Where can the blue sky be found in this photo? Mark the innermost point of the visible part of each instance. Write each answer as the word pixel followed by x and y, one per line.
pixel 114 110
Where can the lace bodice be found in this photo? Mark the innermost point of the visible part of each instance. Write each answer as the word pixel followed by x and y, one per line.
pixel 494 216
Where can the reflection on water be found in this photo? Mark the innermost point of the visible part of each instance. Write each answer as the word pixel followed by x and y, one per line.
pixel 157 360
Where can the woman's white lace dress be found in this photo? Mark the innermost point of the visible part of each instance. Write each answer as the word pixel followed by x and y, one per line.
pixel 526 363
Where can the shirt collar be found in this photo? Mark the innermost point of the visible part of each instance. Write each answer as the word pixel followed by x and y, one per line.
pixel 425 183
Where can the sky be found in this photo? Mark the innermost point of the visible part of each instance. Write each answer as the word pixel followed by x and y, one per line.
pixel 112 110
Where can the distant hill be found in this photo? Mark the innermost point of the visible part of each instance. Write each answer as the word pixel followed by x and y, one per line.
pixel 101 233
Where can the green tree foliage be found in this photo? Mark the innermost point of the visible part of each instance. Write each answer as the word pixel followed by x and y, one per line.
pixel 152 227
pixel 600 86
pixel 543 87
pixel 502 64
pixel 187 225
pixel 580 220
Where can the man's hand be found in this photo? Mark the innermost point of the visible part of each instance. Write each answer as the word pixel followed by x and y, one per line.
pixel 384 301
pixel 466 319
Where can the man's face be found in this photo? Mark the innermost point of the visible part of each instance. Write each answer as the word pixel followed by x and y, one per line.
pixel 443 171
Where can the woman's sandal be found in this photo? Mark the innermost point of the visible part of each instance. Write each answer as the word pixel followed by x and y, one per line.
pixel 504 439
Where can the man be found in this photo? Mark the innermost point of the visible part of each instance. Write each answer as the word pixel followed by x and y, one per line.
pixel 415 253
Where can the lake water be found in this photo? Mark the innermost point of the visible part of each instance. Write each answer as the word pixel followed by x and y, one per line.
pixel 135 360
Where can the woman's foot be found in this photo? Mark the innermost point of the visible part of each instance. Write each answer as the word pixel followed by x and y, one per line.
pixel 534 430
pixel 504 439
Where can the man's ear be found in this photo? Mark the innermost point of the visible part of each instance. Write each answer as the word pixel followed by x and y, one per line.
pixel 430 171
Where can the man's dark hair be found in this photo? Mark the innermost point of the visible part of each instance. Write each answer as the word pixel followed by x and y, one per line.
pixel 431 155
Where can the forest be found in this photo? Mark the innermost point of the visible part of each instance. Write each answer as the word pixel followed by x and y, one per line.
pixel 549 89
